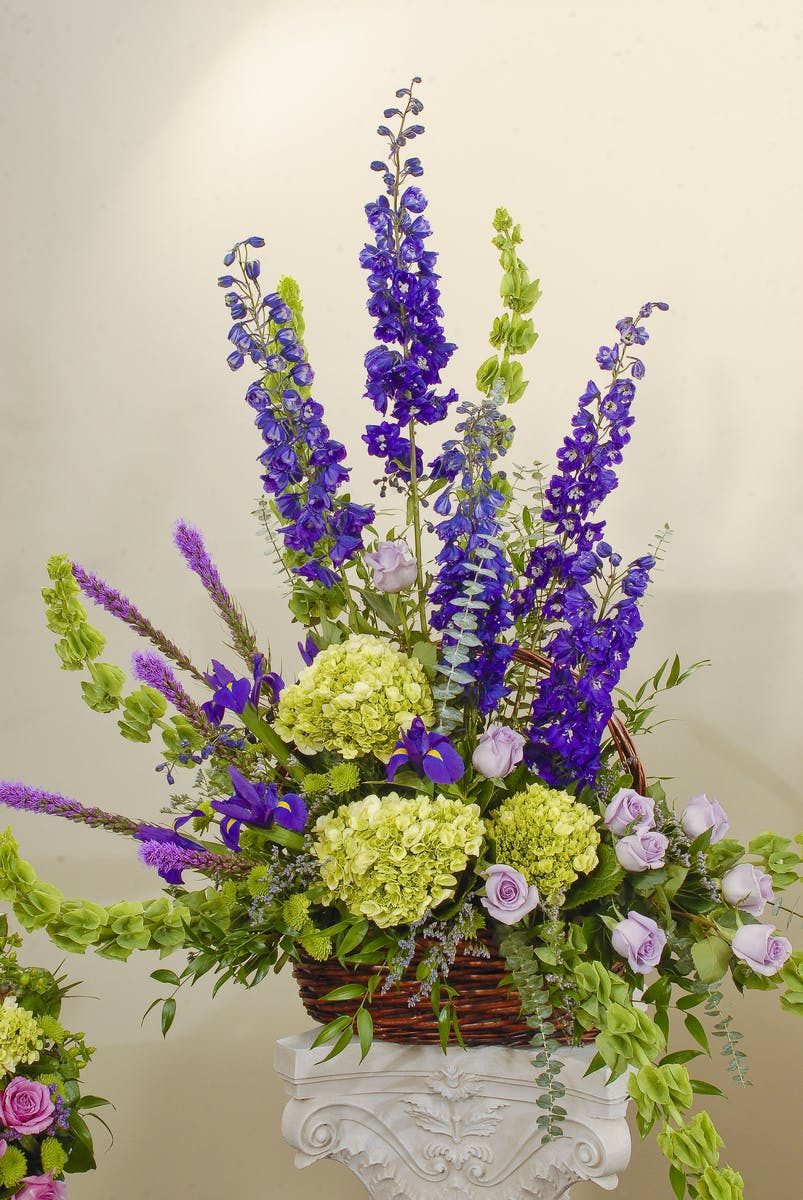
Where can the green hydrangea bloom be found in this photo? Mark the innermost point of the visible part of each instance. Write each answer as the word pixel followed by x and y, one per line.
pixel 392 858
pixel 354 698
pixel 21 1037
pixel 547 835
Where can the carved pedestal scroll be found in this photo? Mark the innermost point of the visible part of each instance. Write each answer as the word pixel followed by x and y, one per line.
pixel 415 1124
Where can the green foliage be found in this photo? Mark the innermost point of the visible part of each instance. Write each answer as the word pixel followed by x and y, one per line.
pixel 597 988
pixel 660 1092
pixel 103 693
pixel 720 1184
pixel 778 858
pixel 792 977
pixel 603 881
pixel 636 709
pixel 722 1029
pixel 65 615
pixel 526 975
pixel 628 1038
pixel 711 957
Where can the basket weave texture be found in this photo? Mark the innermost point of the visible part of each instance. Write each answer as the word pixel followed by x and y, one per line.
pixel 488 1014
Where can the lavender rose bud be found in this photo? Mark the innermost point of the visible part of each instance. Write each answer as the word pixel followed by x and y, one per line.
pixel 508 896
pixel 41 1187
pixel 628 809
pixel 747 888
pixel 26 1106
pixel 644 850
pixel 393 565
pixel 640 940
pixel 756 946
pixel 498 751
pixel 701 814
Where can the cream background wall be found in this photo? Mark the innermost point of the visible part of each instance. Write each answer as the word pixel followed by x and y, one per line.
pixel 650 152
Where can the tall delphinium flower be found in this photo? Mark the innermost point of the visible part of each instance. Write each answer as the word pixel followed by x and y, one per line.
pixel 405 304
pixel 588 636
pixel 191 544
pixel 303 464
pixel 471 596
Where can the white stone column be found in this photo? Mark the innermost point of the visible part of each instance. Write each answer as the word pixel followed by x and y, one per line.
pixel 413 1123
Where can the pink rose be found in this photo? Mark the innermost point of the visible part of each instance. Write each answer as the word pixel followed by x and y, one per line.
pixel 26 1106
pixel 628 809
pixel 640 940
pixel 393 565
pixel 498 751
pixel 508 896
pixel 701 814
pixel 747 888
pixel 3 1146
pixel 756 946
pixel 41 1187
pixel 644 850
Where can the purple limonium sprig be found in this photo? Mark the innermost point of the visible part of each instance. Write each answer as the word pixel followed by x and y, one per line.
pixel 474 576
pixel 171 858
pixel 191 544
pixel 589 644
pixel 429 753
pixel 303 465
pixel 405 304
pixel 120 606
pixel 30 799
pixel 152 669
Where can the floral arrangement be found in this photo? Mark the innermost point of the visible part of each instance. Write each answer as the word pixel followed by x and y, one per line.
pixel 43 1133
pixel 420 778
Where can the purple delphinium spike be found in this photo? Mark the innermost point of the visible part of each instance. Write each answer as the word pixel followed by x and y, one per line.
pixel 191 544
pixel 589 649
pixel 120 606
pixel 405 303
pixel 29 799
pixel 152 669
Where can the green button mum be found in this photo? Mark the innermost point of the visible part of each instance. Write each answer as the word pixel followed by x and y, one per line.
pixel 547 835
pixel 354 699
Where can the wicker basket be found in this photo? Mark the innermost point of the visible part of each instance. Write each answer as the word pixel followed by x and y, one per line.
pixel 488 1014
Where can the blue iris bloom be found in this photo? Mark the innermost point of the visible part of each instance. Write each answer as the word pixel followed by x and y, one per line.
pixel 430 754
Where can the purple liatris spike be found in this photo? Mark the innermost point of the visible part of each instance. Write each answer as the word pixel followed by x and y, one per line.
pixel 121 607
pixel 191 544
pixel 29 799
pixel 171 854
pixel 152 669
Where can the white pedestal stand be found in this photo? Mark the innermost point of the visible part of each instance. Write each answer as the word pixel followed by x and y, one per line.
pixel 415 1124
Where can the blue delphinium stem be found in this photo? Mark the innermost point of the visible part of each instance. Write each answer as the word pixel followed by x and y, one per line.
pixel 589 647
pixel 304 467
pixel 405 304
pixel 121 607
pixel 191 544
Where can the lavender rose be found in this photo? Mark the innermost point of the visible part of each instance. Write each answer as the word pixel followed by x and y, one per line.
pixel 756 946
pixel 747 888
pixel 41 1187
pixel 628 809
pixel 508 896
pixel 644 850
pixel 640 940
pixel 701 814
pixel 393 565
pixel 498 751
pixel 26 1106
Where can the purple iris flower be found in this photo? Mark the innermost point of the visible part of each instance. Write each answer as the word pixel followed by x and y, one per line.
pixel 229 692
pixel 257 804
pixel 158 833
pixel 308 649
pixel 430 754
